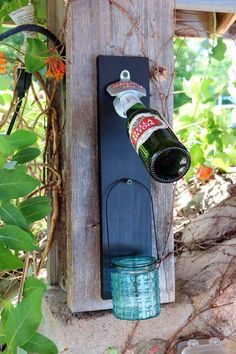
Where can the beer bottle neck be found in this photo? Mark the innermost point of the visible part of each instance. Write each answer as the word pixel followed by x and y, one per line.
pixel 130 102
pixel 135 108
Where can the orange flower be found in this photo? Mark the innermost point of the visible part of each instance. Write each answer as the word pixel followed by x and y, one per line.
pixel 3 63
pixel 204 172
pixel 56 65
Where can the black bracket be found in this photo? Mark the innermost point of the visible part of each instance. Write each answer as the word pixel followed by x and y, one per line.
pixel 126 214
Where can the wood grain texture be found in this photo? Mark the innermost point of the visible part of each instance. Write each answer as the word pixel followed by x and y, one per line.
pixel 56 262
pixel 224 22
pixel 199 24
pixel 193 23
pixel 102 27
pixel 227 6
pixel 231 33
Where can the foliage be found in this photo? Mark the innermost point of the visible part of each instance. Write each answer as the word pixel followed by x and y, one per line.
pixel 33 51
pixel 8 6
pixel 112 350
pixel 36 54
pixel 201 121
pixel 22 204
pixel 19 324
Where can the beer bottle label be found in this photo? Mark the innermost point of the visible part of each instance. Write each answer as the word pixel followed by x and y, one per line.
pixel 142 126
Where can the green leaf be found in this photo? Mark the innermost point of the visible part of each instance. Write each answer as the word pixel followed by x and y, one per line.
pixel 32 284
pixel 16 238
pixel 179 42
pixel 218 52
pixel 41 9
pixel 208 90
pixel 36 54
pixel 8 307
pixel 24 319
pixel 112 350
pixel 6 98
pixel 189 174
pixel 12 349
pixel 21 139
pixel 6 82
pixel 15 4
pixel 221 161
pixel 5 148
pixel 180 99
pixel 8 261
pixel 35 208
pixel 197 155
pixel 16 183
pixel 2 335
pixel 11 215
pixel 41 345
pixel 228 139
pixel 26 155
pixel 192 87
pixel 2 161
pixel 213 135
pixel 3 12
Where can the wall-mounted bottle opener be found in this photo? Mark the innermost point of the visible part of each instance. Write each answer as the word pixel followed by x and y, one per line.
pixel 125 208
pixel 126 93
pixel 165 158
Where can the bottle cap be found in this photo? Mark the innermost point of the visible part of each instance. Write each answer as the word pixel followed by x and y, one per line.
pixel 126 93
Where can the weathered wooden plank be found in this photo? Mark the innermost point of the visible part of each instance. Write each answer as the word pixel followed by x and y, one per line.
pixel 160 51
pixel 199 24
pixel 231 32
pixel 226 6
pixel 56 262
pixel 192 23
pixel 95 27
pixel 224 22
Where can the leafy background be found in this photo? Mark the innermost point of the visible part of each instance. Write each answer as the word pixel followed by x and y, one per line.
pixel 204 101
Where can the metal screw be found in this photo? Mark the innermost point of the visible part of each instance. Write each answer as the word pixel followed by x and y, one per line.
pixel 125 75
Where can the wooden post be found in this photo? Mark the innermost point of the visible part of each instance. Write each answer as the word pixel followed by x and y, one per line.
pixel 108 27
pixel 56 262
pixel 227 6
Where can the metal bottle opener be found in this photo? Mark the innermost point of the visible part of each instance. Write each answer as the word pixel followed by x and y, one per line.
pixel 126 93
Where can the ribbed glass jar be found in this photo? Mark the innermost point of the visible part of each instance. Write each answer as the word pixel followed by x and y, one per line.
pixel 135 288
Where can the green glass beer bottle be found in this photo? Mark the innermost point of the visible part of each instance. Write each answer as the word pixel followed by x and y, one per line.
pixel 165 157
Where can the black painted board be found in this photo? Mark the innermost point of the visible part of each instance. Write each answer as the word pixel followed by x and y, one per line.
pixel 128 207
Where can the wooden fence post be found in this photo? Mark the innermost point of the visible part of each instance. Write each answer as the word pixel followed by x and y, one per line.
pixel 106 27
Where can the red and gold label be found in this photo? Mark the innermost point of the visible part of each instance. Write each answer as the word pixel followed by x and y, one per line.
pixel 142 126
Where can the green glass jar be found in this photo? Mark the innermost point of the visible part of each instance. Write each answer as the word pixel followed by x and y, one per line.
pixel 135 287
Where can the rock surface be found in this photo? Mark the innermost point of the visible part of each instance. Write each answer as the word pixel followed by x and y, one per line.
pixel 206 271
pixel 205 299
pixel 212 227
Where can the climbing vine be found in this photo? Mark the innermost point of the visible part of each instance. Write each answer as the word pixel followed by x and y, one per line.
pixel 30 180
